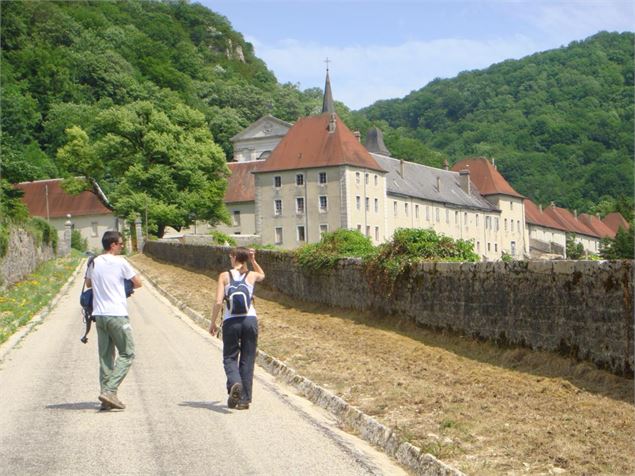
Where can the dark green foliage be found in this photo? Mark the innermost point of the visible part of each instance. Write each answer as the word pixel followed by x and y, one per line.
pixel 77 242
pixel 559 123
pixel 409 247
pixel 43 231
pixel 86 67
pixel 332 247
pixel 620 247
pixel 574 250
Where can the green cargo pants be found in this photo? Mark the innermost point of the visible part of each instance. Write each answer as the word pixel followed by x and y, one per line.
pixel 114 332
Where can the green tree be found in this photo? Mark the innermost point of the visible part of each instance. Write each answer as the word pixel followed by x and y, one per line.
pixel 620 247
pixel 164 162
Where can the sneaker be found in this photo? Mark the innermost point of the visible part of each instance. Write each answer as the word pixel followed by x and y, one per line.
pixel 242 406
pixel 234 395
pixel 109 398
pixel 104 407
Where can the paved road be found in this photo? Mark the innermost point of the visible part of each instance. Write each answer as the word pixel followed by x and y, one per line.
pixel 176 422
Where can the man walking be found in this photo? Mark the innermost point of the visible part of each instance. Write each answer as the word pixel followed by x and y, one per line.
pixel 106 275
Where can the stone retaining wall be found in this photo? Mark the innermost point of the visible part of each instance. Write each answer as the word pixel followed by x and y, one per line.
pixel 23 256
pixel 579 308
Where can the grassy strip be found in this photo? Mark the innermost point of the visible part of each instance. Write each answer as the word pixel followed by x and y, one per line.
pixel 22 301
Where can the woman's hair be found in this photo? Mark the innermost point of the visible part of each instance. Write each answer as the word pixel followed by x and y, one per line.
pixel 240 254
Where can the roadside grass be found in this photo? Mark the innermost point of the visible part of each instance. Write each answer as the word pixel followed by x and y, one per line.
pixel 20 302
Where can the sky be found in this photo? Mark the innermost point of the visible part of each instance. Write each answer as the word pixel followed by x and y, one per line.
pixel 386 49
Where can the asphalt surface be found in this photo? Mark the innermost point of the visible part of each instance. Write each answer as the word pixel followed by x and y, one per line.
pixel 176 420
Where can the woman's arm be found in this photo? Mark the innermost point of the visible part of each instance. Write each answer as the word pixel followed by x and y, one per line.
pixel 258 272
pixel 218 304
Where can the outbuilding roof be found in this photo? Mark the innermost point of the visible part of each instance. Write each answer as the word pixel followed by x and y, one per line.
pixel 615 221
pixel 595 224
pixel 312 142
pixel 566 219
pixel 46 198
pixel 241 184
pixel 535 216
pixel 486 177
pixel 420 181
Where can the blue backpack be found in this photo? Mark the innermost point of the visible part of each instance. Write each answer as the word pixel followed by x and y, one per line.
pixel 237 296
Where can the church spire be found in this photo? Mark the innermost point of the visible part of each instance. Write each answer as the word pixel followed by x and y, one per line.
pixel 328 105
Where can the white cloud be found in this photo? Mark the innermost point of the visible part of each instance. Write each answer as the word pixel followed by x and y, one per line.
pixel 361 75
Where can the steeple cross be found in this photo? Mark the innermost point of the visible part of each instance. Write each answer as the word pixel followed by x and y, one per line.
pixel 327 61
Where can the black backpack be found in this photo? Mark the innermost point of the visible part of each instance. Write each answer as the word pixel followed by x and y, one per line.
pixel 237 296
pixel 86 300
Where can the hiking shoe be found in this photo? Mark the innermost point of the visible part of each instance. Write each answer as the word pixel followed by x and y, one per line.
pixel 242 406
pixel 104 407
pixel 109 398
pixel 234 395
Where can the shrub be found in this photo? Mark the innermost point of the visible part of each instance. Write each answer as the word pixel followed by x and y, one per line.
pixel 4 239
pixel 506 257
pixel 44 231
pixel 222 239
pixel 332 247
pixel 411 246
pixel 77 242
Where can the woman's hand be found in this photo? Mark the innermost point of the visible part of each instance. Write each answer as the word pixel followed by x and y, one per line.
pixel 213 328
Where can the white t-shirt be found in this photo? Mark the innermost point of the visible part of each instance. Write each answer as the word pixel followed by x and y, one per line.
pixel 109 293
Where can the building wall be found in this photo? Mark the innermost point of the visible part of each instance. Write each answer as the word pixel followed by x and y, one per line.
pixel 251 149
pixel 583 309
pixel 242 224
pixel 547 235
pixel 291 220
pixel 513 234
pixel 91 227
pixel 365 202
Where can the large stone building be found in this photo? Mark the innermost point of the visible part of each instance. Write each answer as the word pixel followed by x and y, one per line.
pixel 291 183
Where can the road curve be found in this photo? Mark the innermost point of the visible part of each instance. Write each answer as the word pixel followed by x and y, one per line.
pixel 176 420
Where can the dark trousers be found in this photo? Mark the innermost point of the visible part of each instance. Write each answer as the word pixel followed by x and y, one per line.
pixel 240 338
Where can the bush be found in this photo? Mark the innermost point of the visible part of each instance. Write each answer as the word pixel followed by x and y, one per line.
pixel 332 247
pixel 574 250
pixel 77 242
pixel 506 257
pixel 411 246
pixel 222 239
pixel 44 232
pixel 4 239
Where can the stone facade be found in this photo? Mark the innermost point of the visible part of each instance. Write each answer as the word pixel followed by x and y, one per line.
pixel 583 309
pixel 23 256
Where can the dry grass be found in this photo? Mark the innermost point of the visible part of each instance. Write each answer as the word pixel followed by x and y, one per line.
pixel 480 408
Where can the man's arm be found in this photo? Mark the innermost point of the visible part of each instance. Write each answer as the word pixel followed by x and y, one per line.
pixel 88 282
pixel 136 281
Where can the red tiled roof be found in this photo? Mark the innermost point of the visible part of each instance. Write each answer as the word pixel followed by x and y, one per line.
pixel 535 216
pixel 60 203
pixel 596 225
pixel 309 144
pixel 487 179
pixel 615 221
pixel 565 218
pixel 241 184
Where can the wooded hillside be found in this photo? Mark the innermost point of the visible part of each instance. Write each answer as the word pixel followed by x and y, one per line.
pixel 559 123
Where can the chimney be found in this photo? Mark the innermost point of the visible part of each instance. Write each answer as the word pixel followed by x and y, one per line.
pixel 575 214
pixel 331 126
pixel 494 163
pixel 401 168
pixel 446 165
pixel 464 180
pixel 358 135
pixel 540 207
pixel 438 183
pixel 552 204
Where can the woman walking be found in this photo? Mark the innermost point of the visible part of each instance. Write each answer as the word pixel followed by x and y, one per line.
pixel 240 324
